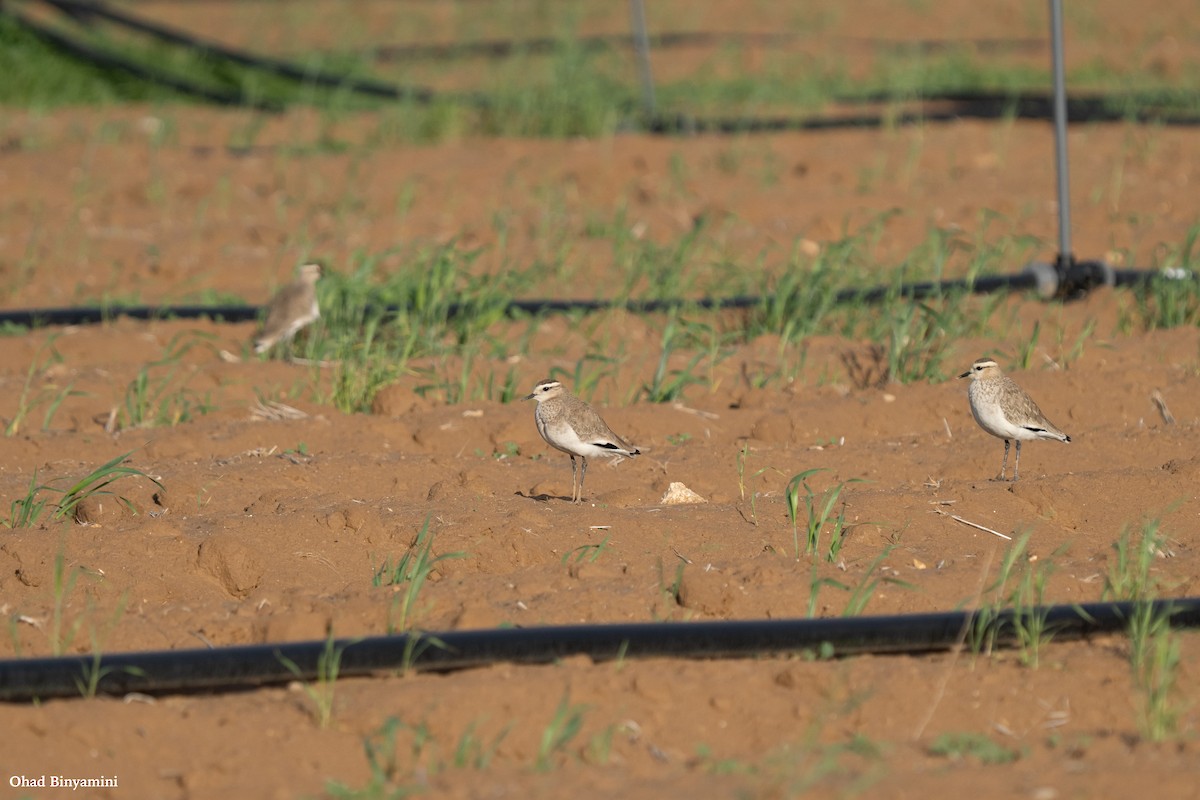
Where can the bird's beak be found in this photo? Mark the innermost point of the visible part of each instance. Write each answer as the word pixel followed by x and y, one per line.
pixel 965 374
pixel 528 396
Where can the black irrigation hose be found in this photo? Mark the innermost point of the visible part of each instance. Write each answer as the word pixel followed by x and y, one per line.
pixel 103 60
pixel 39 317
pixel 914 291
pixel 977 105
pixel 501 48
pixel 82 9
pixel 93 8
pixel 941 108
pixel 1068 280
pixel 250 666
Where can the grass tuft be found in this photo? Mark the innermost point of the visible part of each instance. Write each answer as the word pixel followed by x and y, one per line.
pixel 25 512
pixel 409 575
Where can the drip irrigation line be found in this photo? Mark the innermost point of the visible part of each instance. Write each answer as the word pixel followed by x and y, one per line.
pixel 250 666
pixel 936 108
pixel 40 317
pixel 1067 281
pixel 928 46
pixel 1029 103
pixel 96 9
pixel 502 48
pixel 958 105
pixel 505 47
pixel 103 60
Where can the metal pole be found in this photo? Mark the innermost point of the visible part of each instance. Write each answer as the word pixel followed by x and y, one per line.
pixel 641 41
pixel 1065 255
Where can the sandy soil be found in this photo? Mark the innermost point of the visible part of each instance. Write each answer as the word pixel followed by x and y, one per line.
pixel 271 530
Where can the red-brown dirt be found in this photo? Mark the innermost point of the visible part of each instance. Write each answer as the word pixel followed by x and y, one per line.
pixel 271 530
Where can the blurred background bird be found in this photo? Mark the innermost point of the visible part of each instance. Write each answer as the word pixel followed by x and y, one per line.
pixel 292 308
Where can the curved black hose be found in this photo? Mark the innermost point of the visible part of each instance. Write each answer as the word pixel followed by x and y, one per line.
pixel 104 60
pixel 257 665
pixel 373 88
pixel 957 105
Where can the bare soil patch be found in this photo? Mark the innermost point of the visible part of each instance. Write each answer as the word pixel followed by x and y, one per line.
pixel 272 529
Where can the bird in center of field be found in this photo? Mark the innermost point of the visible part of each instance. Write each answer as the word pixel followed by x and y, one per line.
pixel 1003 409
pixel 572 426
pixel 293 307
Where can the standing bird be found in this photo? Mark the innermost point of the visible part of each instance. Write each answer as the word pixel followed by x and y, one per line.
pixel 292 307
pixel 1003 409
pixel 571 425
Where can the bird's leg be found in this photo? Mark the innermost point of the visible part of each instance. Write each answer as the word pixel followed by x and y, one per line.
pixel 582 473
pixel 1004 463
pixel 1017 463
pixel 574 480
